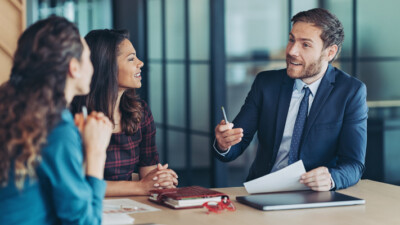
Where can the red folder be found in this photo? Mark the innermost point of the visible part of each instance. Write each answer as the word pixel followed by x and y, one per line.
pixel 185 197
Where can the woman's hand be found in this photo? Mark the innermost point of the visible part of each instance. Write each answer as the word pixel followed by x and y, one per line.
pixel 96 135
pixel 158 178
pixel 168 174
pixel 79 121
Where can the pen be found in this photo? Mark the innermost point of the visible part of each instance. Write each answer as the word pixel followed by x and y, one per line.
pixel 129 207
pixel 84 112
pixel 223 113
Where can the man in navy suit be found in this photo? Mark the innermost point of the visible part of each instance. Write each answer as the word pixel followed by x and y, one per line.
pixel 310 111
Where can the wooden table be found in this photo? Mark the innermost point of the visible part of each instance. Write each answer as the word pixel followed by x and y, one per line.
pixel 382 207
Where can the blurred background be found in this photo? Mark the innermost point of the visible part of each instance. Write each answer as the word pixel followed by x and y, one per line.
pixel 200 55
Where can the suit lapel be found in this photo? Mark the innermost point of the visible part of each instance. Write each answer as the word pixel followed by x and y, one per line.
pixel 324 90
pixel 284 98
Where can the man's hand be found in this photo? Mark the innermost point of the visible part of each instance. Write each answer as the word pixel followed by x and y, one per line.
pixel 226 136
pixel 318 179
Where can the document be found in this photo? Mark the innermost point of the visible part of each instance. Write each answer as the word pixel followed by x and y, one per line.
pixel 115 211
pixel 125 206
pixel 286 179
pixel 117 219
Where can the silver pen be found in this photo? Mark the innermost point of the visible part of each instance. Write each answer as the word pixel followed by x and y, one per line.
pixel 84 112
pixel 223 113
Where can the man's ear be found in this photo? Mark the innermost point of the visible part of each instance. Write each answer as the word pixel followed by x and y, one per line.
pixel 332 50
pixel 74 68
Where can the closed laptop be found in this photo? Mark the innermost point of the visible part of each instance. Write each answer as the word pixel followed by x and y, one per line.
pixel 298 200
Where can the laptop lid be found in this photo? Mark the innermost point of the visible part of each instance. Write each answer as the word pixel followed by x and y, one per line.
pixel 298 200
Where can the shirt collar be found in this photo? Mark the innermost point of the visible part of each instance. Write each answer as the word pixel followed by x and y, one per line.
pixel 299 85
pixel 66 115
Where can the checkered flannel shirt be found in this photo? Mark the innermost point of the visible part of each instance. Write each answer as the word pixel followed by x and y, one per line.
pixel 126 154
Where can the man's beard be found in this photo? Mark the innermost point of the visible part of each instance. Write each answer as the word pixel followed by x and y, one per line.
pixel 310 70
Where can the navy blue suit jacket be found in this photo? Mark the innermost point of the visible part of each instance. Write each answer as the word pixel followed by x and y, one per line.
pixel 335 134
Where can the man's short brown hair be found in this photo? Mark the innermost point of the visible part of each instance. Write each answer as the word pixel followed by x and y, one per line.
pixel 332 28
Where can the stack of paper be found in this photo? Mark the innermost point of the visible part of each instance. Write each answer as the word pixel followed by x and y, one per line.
pixel 115 211
pixel 126 206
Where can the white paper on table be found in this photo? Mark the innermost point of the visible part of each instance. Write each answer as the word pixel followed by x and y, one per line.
pixel 117 219
pixel 125 206
pixel 286 179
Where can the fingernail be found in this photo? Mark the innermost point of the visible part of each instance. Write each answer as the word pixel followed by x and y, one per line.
pixel 156 185
pixel 155 178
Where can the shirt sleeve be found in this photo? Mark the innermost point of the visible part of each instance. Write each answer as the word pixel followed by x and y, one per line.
pixel 352 142
pixel 247 119
pixel 332 184
pixel 219 151
pixel 76 198
pixel 148 148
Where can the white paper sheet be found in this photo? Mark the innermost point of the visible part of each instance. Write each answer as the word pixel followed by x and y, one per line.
pixel 125 206
pixel 117 219
pixel 286 179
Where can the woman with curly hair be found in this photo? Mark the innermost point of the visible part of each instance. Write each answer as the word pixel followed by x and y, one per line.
pixel 42 177
pixel 132 165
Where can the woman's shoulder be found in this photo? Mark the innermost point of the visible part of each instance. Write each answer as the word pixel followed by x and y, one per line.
pixel 147 116
pixel 142 102
pixel 64 135
pixel 65 127
pixel 145 107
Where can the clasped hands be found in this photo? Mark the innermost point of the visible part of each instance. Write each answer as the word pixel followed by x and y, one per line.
pixel 160 178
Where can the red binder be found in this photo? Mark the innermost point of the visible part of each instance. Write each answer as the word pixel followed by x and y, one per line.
pixel 185 197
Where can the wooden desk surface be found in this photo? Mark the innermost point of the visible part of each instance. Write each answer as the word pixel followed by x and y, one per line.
pixel 382 207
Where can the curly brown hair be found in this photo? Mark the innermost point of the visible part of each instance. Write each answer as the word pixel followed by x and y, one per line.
pixel 32 100
pixel 104 47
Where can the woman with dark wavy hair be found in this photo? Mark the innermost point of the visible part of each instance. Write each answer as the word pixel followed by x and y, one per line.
pixel 132 165
pixel 42 177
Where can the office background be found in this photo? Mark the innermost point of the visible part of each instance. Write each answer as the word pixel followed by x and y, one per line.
pixel 202 54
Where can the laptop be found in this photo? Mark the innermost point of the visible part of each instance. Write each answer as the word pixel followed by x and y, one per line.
pixel 298 200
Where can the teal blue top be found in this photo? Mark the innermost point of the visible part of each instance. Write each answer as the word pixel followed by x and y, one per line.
pixel 26 206
pixel 65 195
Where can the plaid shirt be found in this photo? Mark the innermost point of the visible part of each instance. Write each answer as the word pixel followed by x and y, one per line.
pixel 125 154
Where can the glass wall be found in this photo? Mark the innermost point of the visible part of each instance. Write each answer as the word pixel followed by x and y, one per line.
pixel 179 94
pixel 378 50
pixel 255 34
pixel 87 14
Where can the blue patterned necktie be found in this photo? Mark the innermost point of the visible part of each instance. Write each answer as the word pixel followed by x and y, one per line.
pixel 299 127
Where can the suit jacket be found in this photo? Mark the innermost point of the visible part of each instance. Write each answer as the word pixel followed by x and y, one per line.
pixel 335 133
